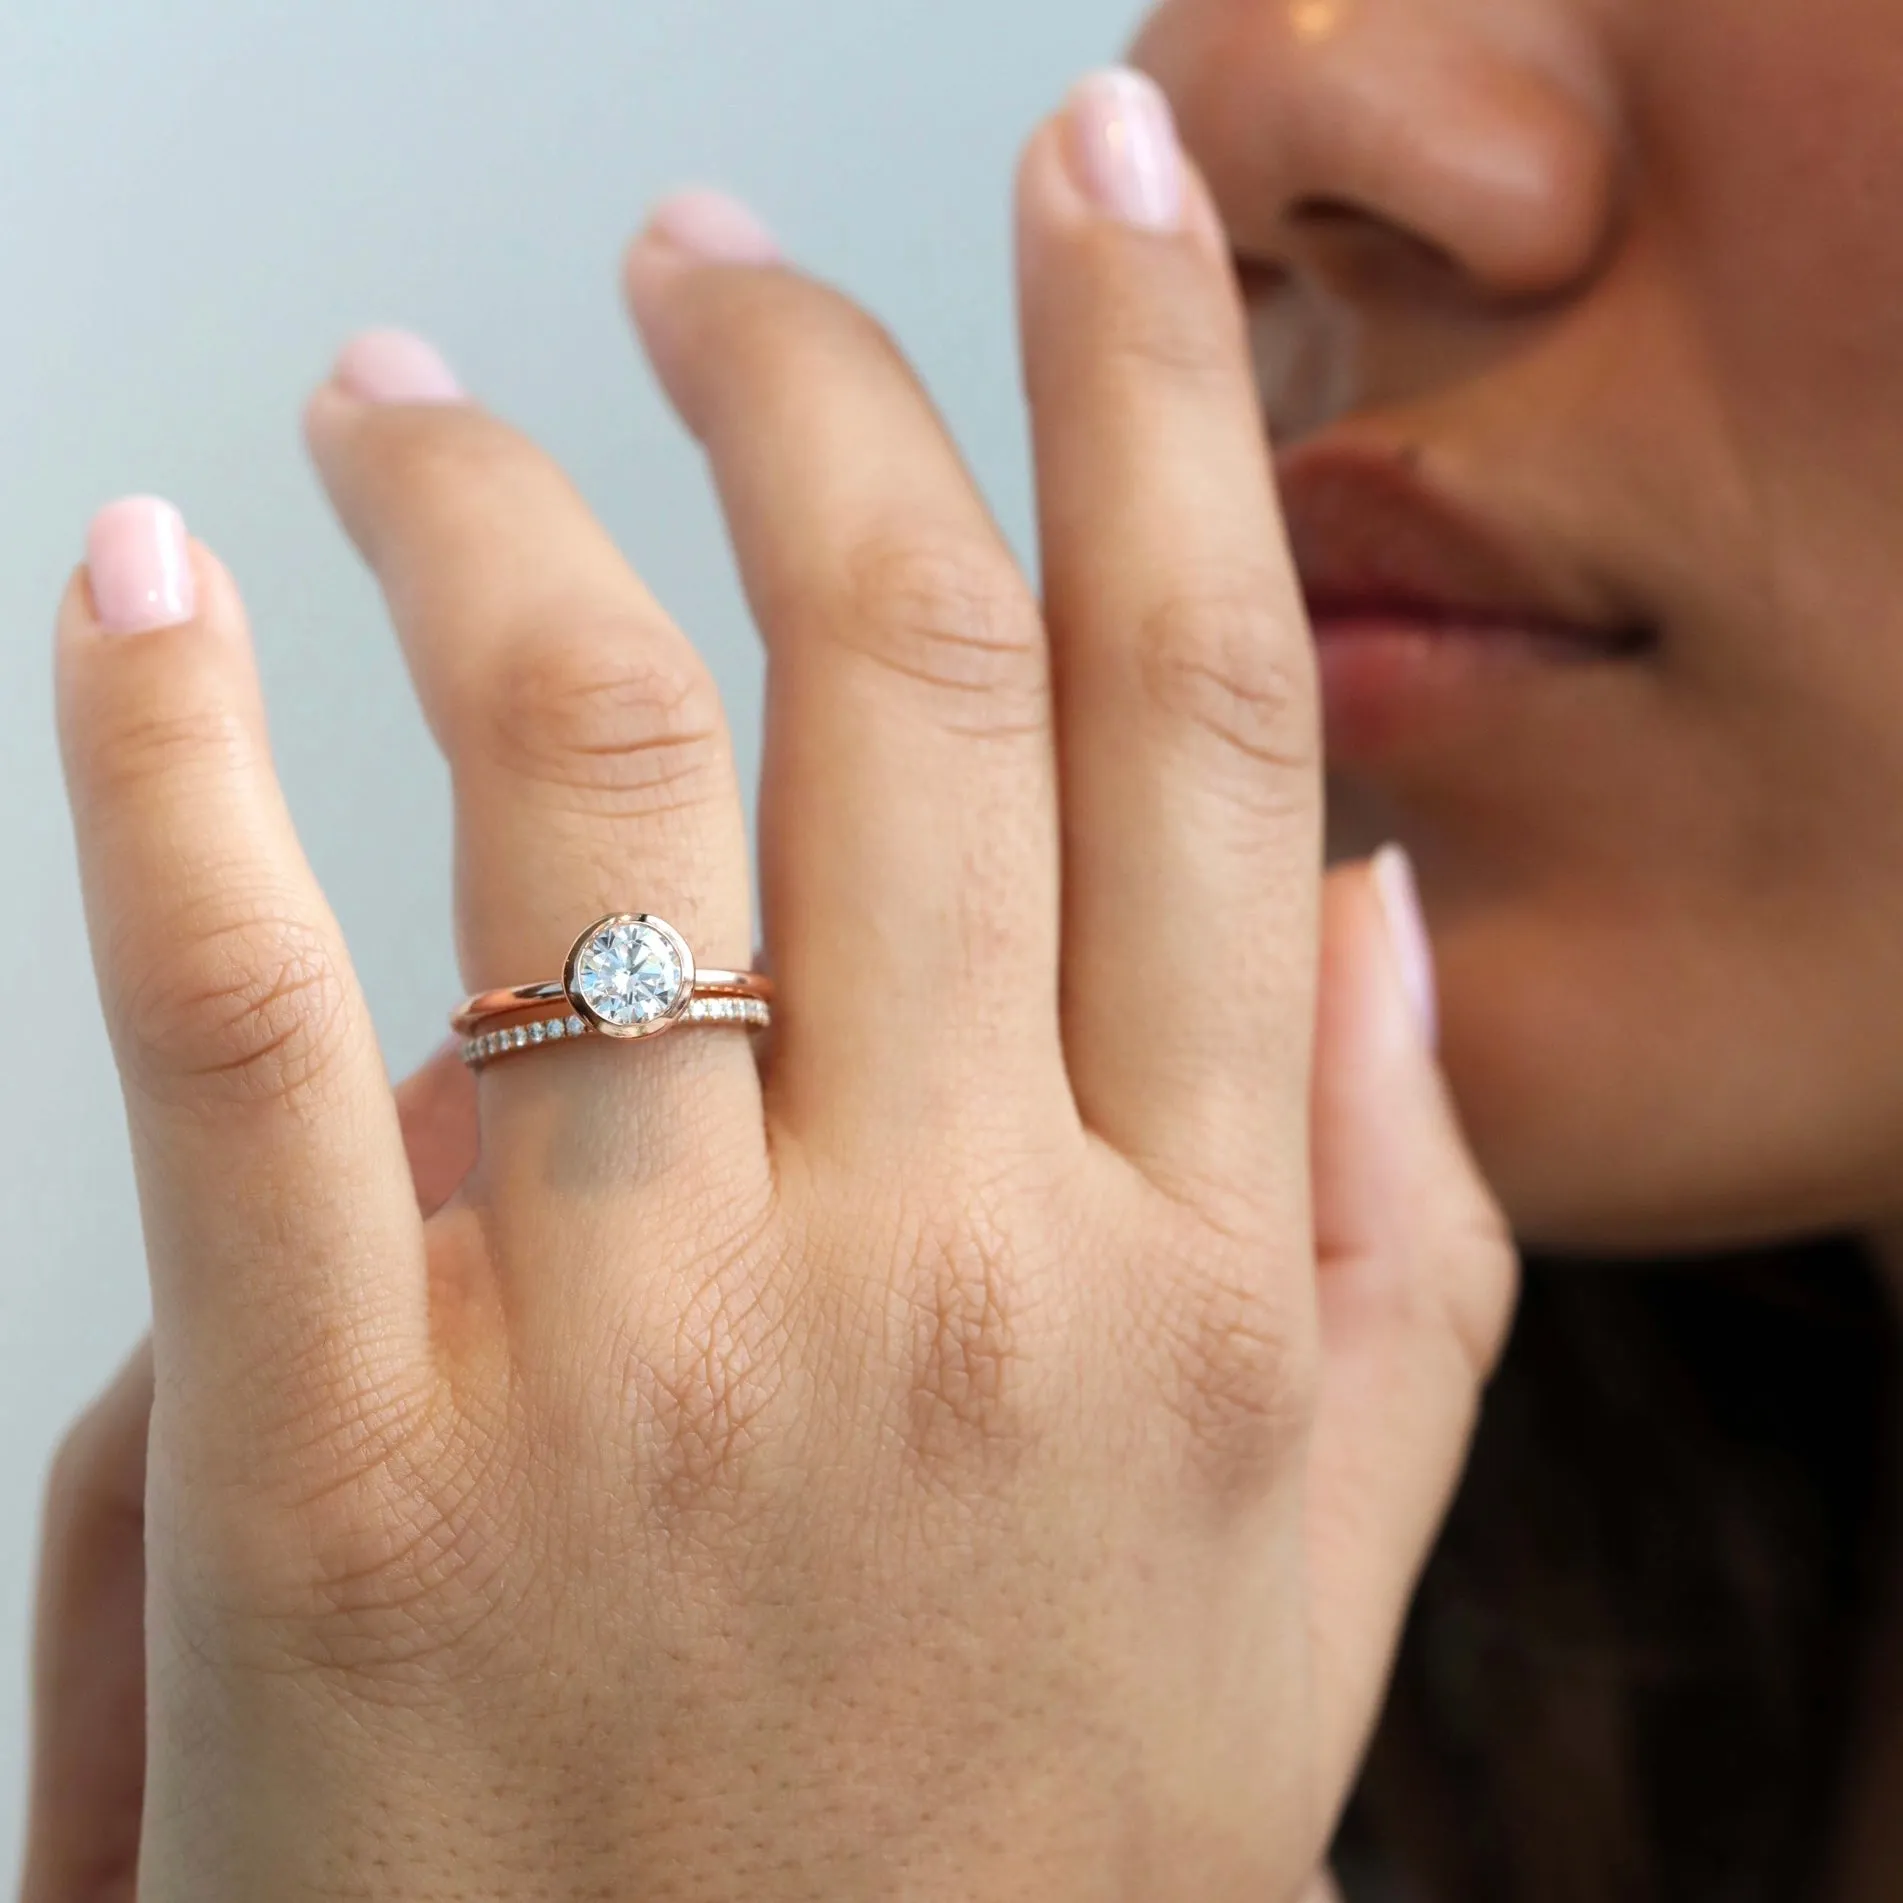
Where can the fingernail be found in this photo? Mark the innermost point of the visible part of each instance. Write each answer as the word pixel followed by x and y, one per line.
pixel 139 562
pixel 713 226
pixel 1123 141
pixel 1407 932
pixel 396 366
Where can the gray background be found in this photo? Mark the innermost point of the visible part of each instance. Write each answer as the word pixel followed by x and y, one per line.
pixel 198 201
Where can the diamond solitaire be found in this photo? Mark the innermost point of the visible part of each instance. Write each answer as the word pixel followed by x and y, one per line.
pixel 630 975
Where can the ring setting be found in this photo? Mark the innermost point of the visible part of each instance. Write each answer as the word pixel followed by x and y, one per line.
pixel 628 976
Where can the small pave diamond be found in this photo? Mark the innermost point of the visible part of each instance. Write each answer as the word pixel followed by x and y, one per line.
pixel 577 1026
pixel 629 974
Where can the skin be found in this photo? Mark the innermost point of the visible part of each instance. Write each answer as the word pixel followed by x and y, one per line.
pixel 1621 278
pixel 960 1449
pixel 1617 278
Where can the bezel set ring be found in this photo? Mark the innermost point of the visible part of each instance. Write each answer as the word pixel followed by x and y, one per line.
pixel 628 976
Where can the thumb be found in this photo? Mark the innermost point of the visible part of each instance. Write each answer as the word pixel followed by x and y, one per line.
pixel 1416 1275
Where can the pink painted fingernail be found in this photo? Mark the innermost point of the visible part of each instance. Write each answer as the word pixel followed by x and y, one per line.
pixel 396 366
pixel 714 226
pixel 1123 142
pixel 139 562
pixel 1407 932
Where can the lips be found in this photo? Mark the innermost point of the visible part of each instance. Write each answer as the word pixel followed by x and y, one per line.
pixel 1377 549
pixel 1427 618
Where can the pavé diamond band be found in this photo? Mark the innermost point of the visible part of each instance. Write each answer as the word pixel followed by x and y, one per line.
pixel 628 976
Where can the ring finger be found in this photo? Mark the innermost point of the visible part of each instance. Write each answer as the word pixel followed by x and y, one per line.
pixel 589 754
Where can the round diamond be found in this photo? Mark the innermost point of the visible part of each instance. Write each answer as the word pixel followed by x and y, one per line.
pixel 577 1026
pixel 628 973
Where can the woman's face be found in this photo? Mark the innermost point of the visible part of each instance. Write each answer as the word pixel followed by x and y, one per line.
pixel 1581 334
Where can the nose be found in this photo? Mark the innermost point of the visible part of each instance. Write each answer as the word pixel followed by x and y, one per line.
pixel 1477 132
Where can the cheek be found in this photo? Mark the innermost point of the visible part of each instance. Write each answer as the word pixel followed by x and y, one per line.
pixel 1771 144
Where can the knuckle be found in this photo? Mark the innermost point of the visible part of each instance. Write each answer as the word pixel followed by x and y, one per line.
pixel 952 623
pixel 792 332
pixel 376 1544
pixel 399 1572
pixel 1165 323
pixel 1220 662
pixel 149 747
pixel 74 1474
pixel 776 337
pixel 703 1393
pixel 430 467
pixel 1239 1376
pixel 69 1471
pixel 1481 1283
pixel 98 1466
pixel 252 1009
pixel 964 1401
pixel 612 712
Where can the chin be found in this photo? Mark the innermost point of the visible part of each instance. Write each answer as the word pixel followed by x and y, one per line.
pixel 1621 1109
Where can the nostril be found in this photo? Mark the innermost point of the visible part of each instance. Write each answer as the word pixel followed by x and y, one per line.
pixel 1320 210
pixel 1355 252
pixel 1260 277
pixel 1343 221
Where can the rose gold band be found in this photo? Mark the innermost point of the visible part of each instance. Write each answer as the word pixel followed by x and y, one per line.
pixel 487 1006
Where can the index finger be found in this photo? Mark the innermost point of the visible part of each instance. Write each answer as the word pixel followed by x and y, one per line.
pixel 1185 676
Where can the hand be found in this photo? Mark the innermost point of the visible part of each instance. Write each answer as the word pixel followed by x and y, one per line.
pixel 88 1768
pixel 958 1455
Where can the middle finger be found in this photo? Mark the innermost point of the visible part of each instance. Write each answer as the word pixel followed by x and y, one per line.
pixel 909 816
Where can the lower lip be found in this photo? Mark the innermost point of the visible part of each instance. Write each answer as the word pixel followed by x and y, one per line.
pixel 1388 681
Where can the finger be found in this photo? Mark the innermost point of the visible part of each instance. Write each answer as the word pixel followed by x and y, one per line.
pixel 1185 692
pixel 280 1222
pixel 436 1108
pixel 1416 1287
pixel 909 845
pixel 88 1754
pixel 88 1768
pixel 585 739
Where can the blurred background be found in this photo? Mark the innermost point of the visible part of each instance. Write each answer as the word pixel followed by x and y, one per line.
pixel 198 202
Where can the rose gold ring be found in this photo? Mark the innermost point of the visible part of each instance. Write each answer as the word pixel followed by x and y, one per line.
pixel 627 976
